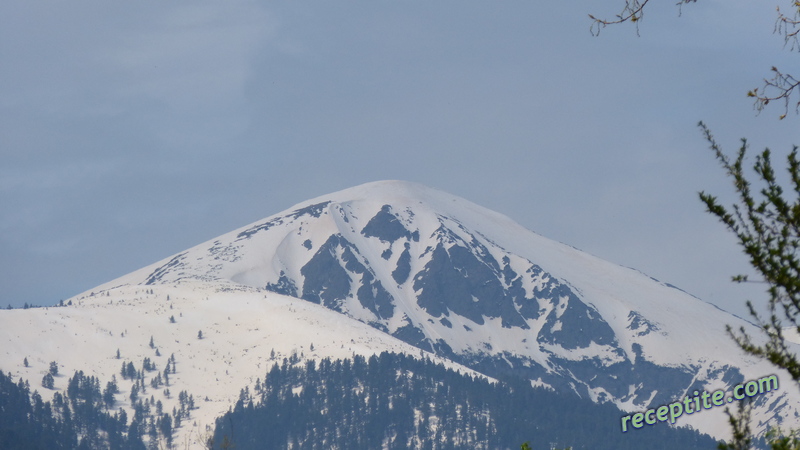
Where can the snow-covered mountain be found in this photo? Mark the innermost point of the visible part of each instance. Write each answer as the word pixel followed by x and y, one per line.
pixel 222 338
pixel 395 265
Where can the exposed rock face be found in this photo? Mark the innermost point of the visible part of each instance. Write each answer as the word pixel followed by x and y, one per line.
pixel 450 277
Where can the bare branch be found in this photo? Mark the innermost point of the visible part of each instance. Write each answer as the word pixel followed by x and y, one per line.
pixel 789 27
pixel 782 86
pixel 632 12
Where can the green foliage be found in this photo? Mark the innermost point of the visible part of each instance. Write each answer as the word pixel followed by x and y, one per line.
pixel 784 441
pixel 768 230
pixel 740 424
pixel 767 226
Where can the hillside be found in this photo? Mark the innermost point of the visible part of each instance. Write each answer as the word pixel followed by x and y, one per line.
pixel 394 266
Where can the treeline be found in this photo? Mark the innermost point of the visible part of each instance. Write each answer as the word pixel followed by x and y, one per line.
pixel 76 419
pixel 386 401
pixel 396 401
pixel 83 416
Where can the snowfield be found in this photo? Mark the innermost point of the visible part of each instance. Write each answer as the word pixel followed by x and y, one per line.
pixel 395 266
pixel 241 327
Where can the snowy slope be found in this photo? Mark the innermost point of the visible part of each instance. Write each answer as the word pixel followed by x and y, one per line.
pixel 240 328
pixel 447 276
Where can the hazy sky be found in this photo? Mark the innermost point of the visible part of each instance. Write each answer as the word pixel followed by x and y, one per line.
pixel 133 130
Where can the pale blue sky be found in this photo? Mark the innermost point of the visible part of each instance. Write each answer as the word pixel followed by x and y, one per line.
pixel 130 131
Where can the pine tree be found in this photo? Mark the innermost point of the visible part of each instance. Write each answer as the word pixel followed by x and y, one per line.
pixel 768 230
pixel 53 368
pixel 25 362
pixel 108 394
pixel 134 393
pixel 48 381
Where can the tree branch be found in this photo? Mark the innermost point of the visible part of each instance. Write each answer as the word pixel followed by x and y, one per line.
pixel 789 27
pixel 632 12
pixel 782 86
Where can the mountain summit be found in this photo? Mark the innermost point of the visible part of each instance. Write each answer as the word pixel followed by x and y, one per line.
pixel 431 273
pixel 471 285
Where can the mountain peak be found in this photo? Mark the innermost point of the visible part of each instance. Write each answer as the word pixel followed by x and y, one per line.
pixel 382 189
pixel 401 193
pixel 456 279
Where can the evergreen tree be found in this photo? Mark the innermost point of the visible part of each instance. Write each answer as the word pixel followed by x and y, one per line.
pixel 48 381
pixel 108 394
pixel 378 403
pixel 53 368
pixel 148 365
pixel 768 231
pixel 134 393
pixel 73 420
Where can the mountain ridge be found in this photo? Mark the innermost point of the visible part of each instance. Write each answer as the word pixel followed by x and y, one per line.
pixel 472 286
